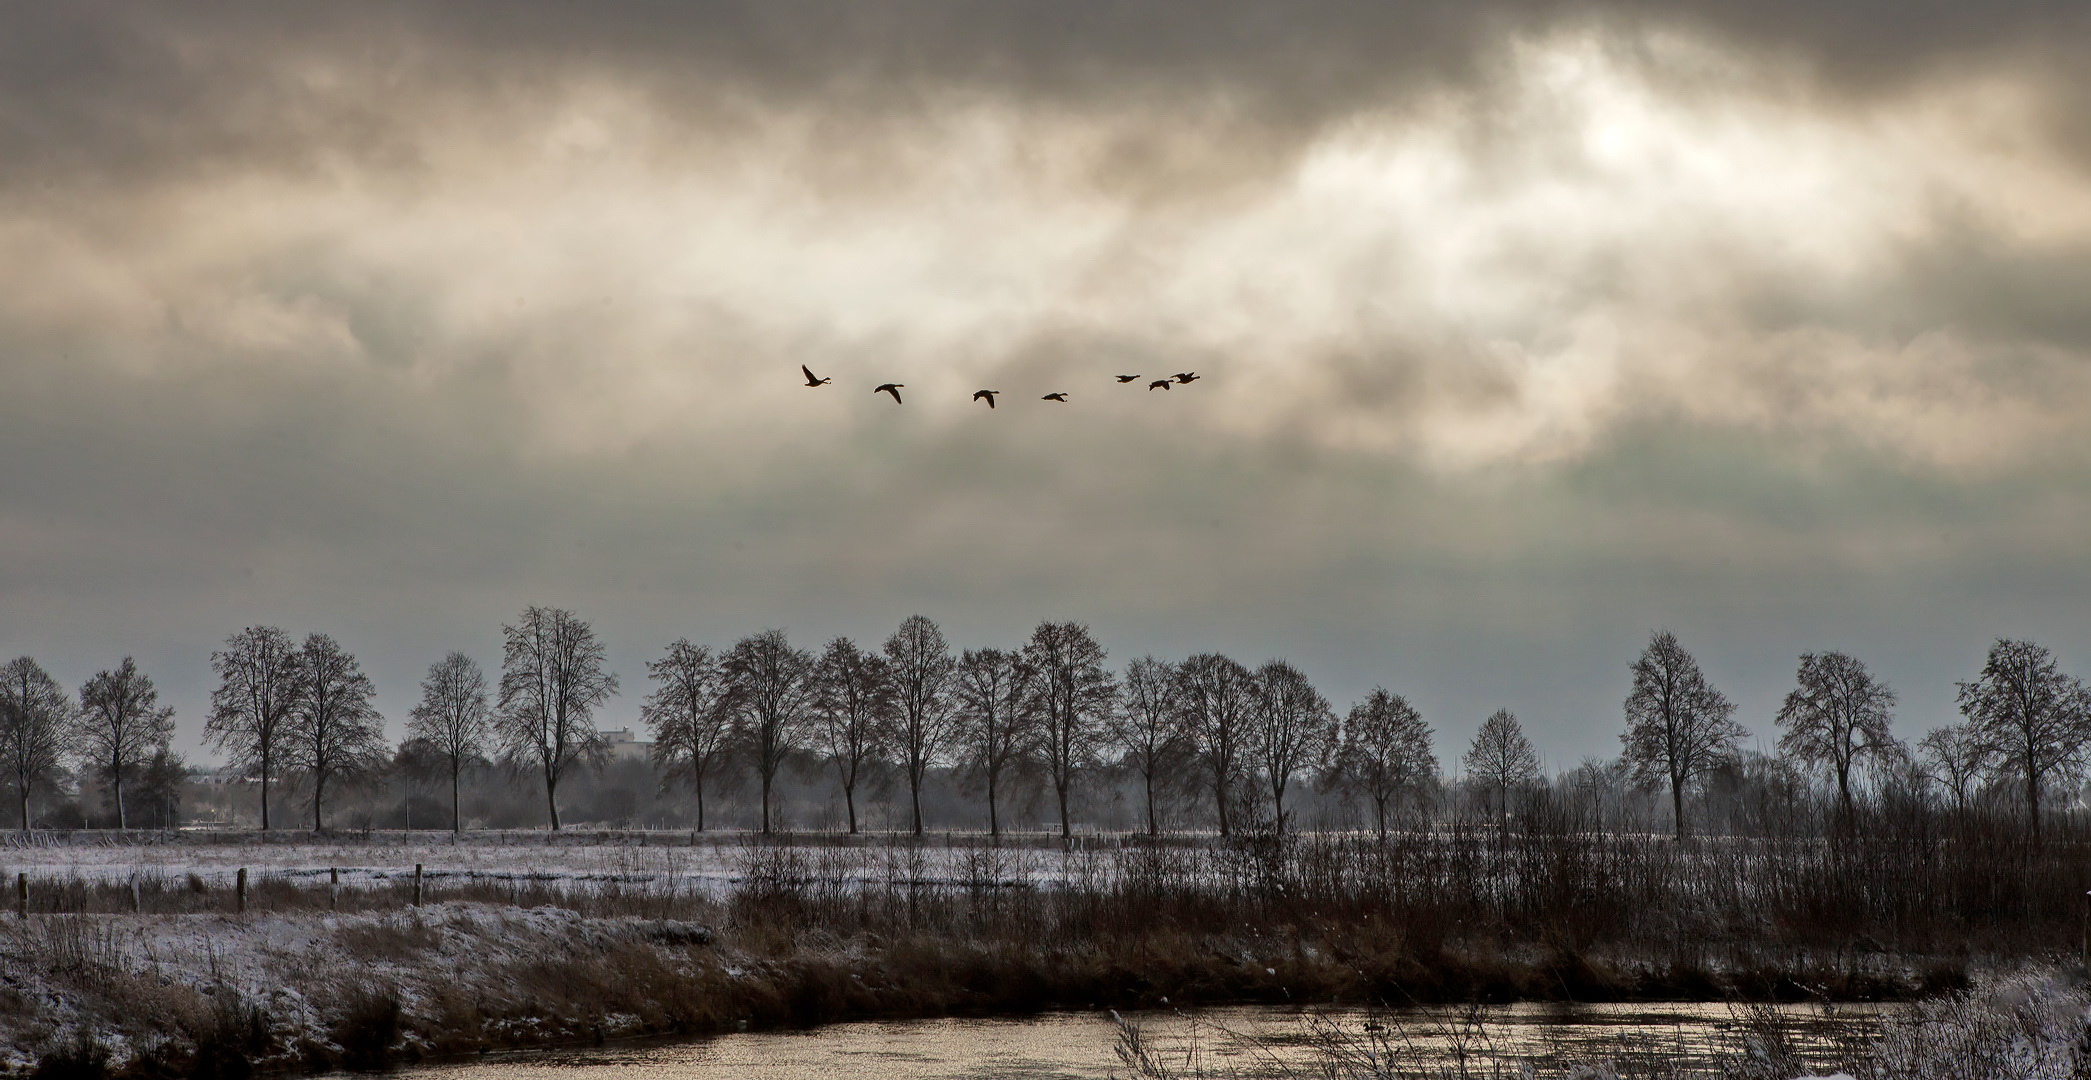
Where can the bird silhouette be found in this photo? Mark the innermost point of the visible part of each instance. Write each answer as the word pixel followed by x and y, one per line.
pixel 987 395
pixel 1186 377
pixel 1159 384
pixel 1128 378
pixel 810 380
pixel 892 388
pixel 1054 397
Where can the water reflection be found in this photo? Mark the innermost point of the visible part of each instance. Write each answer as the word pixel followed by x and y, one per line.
pixel 1248 1041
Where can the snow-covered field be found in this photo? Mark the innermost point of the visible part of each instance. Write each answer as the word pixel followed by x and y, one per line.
pixel 667 863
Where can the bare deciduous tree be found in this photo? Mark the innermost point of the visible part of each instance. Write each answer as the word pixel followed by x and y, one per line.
pixel 553 678
pixel 768 688
pixel 997 724
pixel 35 718
pixel 1385 751
pixel 921 666
pixel 852 707
pixel 1071 696
pixel 123 725
pixel 251 707
pixel 688 714
pixel 1954 759
pixel 418 764
pixel 455 720
pixel 1837 714
pixel 1293 730
pixel 2032 720
pixel 1677 725
pixel 1501 759
pixel 1215 695
pixel 334 731
pixel 160 789
pixel 1145 728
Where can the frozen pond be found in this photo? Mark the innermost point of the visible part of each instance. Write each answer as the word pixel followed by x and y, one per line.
pixel 1080 1046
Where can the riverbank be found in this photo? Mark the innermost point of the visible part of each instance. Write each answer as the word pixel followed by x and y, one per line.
pixel 219 994
pixel 127 963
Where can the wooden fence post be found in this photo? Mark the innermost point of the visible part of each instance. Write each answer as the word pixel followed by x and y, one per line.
pixel 333 887
pixel 417 884
pixel 240 889
pixel 22 896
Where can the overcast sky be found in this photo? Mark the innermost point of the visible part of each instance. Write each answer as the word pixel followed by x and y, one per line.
pixel 1525 329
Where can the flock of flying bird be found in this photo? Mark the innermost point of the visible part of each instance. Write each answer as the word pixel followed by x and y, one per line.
pixel 1181 378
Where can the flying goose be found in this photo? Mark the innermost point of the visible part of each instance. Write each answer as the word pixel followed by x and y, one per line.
pixel 1060 397
pixel 810 380
pixel 1128 378
pixel 1187 377
pixel 987 395
pixel 1159 384
pixel 892 388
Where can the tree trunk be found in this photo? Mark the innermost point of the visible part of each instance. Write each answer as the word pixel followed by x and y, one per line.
pixel 552 796
pixel 1844 790
pixel 849 799
pixel 915 797
pixel 457 818
pixel 116 781
pixel 1677 804
pixel 1277 810
pixel 2033 805
pixel 264 789
pixel 1066 828
pixel 319 789
pixel 765 803
pixel 1153 829
pixel 25 807
pixel 1380 804
pixel 699 774
pixel 1219 788
pixel 994 821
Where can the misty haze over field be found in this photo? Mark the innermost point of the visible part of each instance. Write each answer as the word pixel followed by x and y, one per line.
pixel 1525 329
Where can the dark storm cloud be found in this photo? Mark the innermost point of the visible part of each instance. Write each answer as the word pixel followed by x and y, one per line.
pixel 114 90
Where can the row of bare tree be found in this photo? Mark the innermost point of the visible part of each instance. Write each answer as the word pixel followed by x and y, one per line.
pixel 1247 737
pixel 1049 702
pixel 2026 723
pixel 115 727
pixel 282 705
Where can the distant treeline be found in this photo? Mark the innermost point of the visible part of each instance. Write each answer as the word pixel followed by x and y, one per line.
pixel 1205 739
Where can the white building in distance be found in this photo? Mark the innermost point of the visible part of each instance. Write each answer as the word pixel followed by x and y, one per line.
pixel 625 745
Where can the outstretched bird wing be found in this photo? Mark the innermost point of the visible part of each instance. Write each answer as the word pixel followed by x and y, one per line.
pixel 890 388
pixel 810 380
